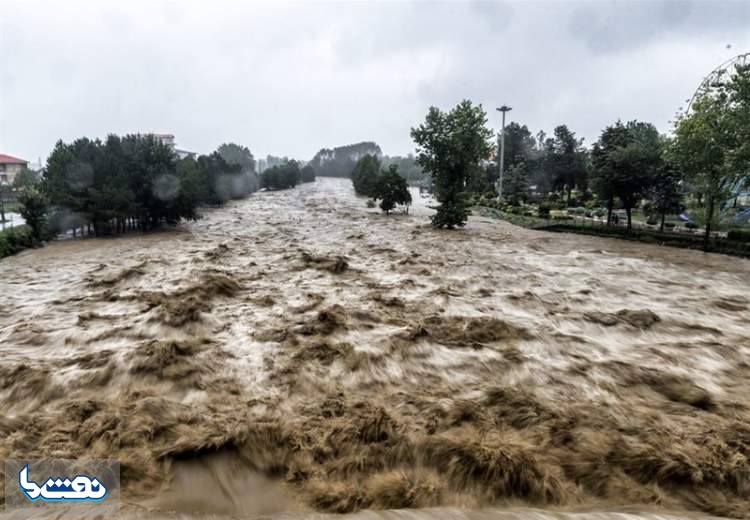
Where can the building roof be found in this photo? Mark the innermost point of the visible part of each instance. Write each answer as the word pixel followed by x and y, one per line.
pixel 9 159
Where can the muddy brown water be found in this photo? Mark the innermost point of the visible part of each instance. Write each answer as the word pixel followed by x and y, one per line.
pixel 296 355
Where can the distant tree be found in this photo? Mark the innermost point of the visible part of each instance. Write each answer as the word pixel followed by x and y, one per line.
pixel 451 146
pixel 281 176
pixel 392 189
pixel 339 161
pixel 712 144
pixel 407 167
pixel 34 210
pixel 308 174
pixel 565 161
pixel 365 175
pixel 516 184
pixel 25 178
pixel 665 193
pixel 626 159
pixel 236 155
pixel 519 145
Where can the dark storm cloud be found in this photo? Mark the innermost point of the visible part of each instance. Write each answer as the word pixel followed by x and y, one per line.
pixel 289 78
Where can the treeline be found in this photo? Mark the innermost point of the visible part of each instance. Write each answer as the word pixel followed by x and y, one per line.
pixel 286 175
pixel 702 166
pixel 384 184
pixel 131 182
pixel 340 161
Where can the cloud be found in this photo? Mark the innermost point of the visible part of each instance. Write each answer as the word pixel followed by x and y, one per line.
pixel 290 78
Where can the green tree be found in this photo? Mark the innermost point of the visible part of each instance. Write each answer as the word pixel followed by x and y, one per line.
pixel 626 159
pixel 24 178
pixel 516 184
pixel 246 181
pixel 34 210
pixel 365 175
pixel 564 161
pixel 450 147
pixel 281 176
pixel 665 193
pixel 392 189
pixel 711 144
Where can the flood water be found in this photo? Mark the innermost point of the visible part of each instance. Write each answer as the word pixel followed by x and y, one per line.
pixel 297 353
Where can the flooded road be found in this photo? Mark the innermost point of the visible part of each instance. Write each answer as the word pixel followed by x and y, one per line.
pixel 297 352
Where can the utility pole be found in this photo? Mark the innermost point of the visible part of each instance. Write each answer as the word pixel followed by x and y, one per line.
pixel 502 109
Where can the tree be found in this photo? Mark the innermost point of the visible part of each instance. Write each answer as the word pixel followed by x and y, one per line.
pixel 236 155
pixel 281 176
pixel 24 178
pixel 365 175
pixel 665 193
pixel 392 189
pixel 308 174
pixel 626 159
pixel 451 146
pixel 711 144
pixel 516 184
pixel 339 161
pixel 34 209
pixel 565 161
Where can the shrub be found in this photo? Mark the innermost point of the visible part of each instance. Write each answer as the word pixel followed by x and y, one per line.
pixel 691 225
pixel 669 225
pixel 543 211
pixel 739 235
pixel 15 239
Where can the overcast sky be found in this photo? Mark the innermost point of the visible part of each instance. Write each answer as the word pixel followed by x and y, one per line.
pixel 290 78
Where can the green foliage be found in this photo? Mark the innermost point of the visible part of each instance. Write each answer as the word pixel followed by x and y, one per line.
pixel 516 184
pixel 543 211
pixel 15 239
pixel 25 178
pixel 392 189
pixel 281 177
pixel 246 180
pixel 34 210
pixel 308 174
pixel 125 182
pixel 712 143
pixel 365 176
pixel 450 147
pixel 626 159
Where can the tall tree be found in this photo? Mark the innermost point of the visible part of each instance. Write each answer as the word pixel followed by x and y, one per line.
pixel 712 144
pixel 565 161
pixel 665 192
pixel 365 175
pixel 451 146
pixel 626 158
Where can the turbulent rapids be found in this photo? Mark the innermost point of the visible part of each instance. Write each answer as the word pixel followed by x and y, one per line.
pixel 296 353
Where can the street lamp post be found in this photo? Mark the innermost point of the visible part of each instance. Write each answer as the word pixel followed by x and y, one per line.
pixel 502 109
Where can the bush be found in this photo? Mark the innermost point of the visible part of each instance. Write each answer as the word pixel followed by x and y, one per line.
pixel 15 239
pixel 543 211
pixel 691 225
pixel 739 235
pixel 669 225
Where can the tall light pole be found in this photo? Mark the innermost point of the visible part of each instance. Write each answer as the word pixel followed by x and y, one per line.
pixel 502 109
